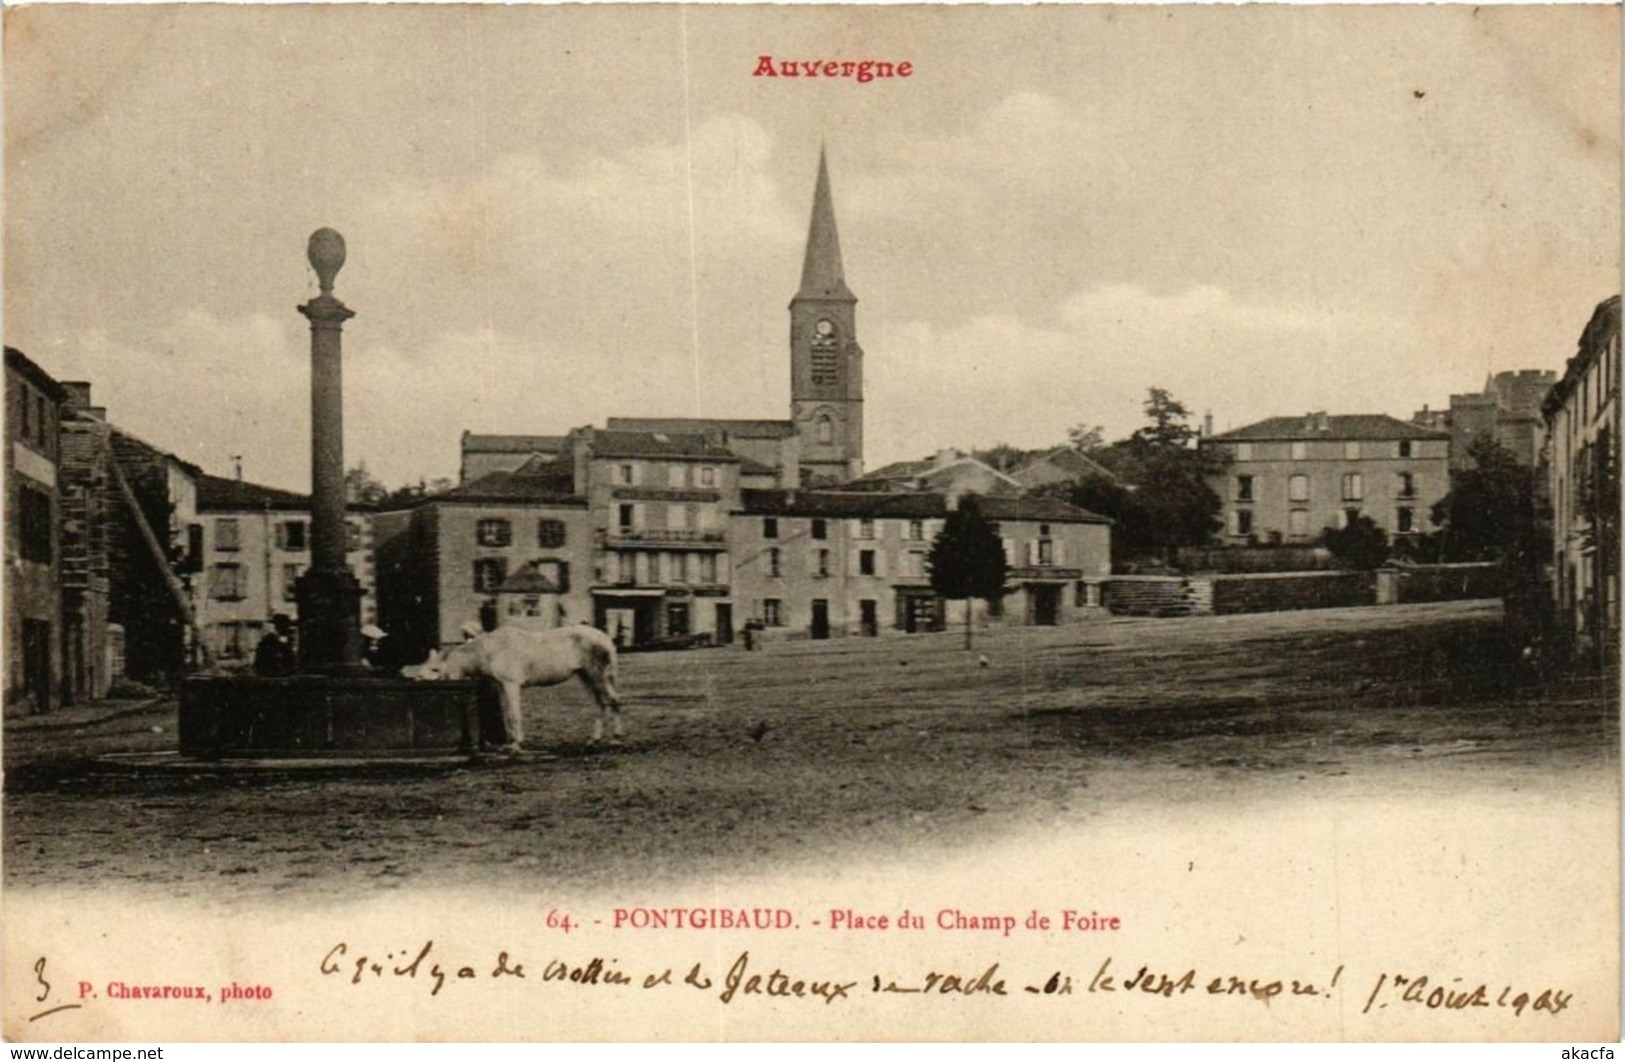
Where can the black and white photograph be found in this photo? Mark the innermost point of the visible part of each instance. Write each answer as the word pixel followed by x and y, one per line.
pixel 811 523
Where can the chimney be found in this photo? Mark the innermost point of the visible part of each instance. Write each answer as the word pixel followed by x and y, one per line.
pixel 1207 425
pixel 944 458
pixel 580 456
pixel 78 394
pixel 237 464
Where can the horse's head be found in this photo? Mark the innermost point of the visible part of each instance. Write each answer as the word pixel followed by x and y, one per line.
pixel 439 666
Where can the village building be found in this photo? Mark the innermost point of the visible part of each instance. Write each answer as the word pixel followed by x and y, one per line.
pixel 442 565
pixel 821 564
pixel 252 543
pixel 1582 426
pixel 1064 464
pixel 1291 478
pixel 947 472
pixel 1507 410
pixel 33 592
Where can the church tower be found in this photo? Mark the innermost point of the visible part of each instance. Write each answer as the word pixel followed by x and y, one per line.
pixel 826 363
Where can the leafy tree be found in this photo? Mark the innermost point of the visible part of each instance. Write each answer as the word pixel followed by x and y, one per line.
pixel 1490 512
pixel 967 558
pixel 1162 499
pixel 360 488
pixel 1086 437
pixel 1361 545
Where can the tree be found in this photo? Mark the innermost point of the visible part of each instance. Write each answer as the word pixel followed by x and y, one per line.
pixel 360 488
pixel 967 558
pixel 1490 512
pixel 1168 428
pixel 1361 545
pixel 1086 437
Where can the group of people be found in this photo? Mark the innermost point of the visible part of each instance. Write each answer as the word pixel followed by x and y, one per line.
pixel 276 655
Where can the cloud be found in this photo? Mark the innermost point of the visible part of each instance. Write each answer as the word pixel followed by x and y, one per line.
pixel 1025 381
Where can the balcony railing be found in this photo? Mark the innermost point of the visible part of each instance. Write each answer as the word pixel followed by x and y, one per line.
pixel 662 536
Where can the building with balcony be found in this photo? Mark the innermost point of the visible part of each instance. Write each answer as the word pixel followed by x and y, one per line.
pixel 1581 420
pixel 1291 478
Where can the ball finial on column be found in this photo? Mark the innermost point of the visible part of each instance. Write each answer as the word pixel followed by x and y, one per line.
pixel 326 254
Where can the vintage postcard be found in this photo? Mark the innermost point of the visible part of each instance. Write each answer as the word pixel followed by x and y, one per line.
pixel 656 522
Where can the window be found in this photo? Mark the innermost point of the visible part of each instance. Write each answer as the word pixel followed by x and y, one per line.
pixel 627 564
pixel 28 414
pixel 352 536
pixel 227 584
pixel 489 573
pixel 866 528
pixel 1300 451
pixel 1088 595
pixel 1405 448
pixel 820 529
pixel 1046 551
pixel 1244 451
pixel 493 532
pixel 708 476
pixel 625 514
pixel 1404 520
pixel 550 534
pixel 1351 451
pixel 1405 485
pixel 866 562
pixel 290 581
pixel 674 476
pixel 1297 488
pixel 770 527
pixel 823 563
pixel 290 535
pixel 677 568
pixel 1244 521
pixel 676 518
pixel 623 474
pixel 36 525
pixel 826 430
pixel 916 530
pixel 772 612
pixel 226 534
pixel 1244 488
pixel 1353 486
pixel 1349 516
pixel 1297 522
pixel 677 619
pixel 708 568
pixel 773 561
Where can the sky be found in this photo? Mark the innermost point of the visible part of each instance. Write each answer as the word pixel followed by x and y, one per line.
pixel 559 214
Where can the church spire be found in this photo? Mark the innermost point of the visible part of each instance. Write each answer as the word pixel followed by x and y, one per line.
pixel 821 273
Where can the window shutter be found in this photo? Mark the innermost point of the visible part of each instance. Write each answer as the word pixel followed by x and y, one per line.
pixel 880 562
pixel 1032 551
pixel 1060 552
pixel 1009 552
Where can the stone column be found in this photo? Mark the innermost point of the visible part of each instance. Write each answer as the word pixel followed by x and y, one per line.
pixel 329 595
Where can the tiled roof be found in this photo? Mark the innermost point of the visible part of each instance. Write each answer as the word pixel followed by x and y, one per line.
pixel 1343 426
pixel 911 506
pixel 218 494
pixel 744 429
pixel 657 444
pixel 554 486
pixel 511 444
pixel 1068 459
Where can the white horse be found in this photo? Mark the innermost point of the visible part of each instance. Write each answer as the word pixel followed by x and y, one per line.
pixel 515 656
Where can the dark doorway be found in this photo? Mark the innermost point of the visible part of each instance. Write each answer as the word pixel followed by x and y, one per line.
pixel 676 619
pixel 37 663
pixel 725 623
pixel 820 618
pixel 1046 605
pixel 868 618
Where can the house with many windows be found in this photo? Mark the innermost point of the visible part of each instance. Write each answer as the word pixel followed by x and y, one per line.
pixel 1291 478
pixel 1582 425
pixel 252 543
pixel 821 564
pixel 33 624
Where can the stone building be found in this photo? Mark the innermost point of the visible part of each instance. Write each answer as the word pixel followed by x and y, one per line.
pixel 1507 410
pixel 1581 421
pixel 251 544
pixel 33 624
pixel 1291 478
pixel 822 564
